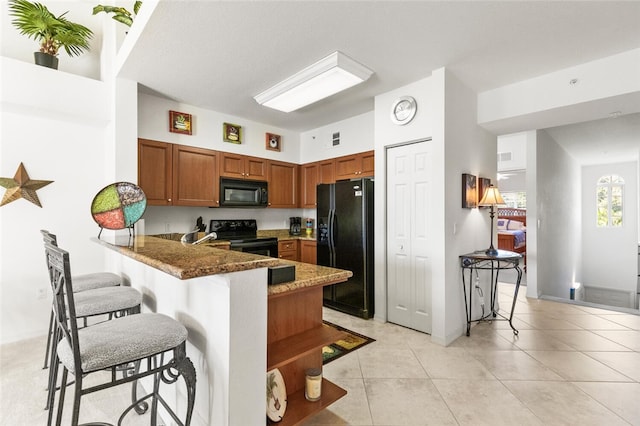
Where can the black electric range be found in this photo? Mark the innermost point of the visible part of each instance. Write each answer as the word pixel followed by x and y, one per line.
pixel 243 236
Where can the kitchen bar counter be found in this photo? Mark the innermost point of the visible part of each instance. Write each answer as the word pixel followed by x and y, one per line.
pixel 192 261
pixel 239 326
pixel 185 261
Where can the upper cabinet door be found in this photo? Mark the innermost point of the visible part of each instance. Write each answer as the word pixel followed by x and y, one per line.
pixel 231 165
pixel 256 168
pixel 283 184
pixel 155 171
pixel 308 182
pixel 195 177
pixel 242 167
pixel 355 166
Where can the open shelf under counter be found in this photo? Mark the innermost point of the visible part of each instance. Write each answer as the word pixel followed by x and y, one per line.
pixel 298 345
pixel 299 409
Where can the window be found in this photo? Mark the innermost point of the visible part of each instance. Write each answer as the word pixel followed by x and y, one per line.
pixel 515 199
pixel 609 194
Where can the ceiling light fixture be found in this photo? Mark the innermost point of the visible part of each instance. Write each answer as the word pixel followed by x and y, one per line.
pixel 326 77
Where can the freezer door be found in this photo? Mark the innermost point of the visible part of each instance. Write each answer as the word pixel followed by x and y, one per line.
pixel 323 217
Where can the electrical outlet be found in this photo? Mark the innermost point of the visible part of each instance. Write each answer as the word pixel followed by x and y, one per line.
pixel 167 227
pixel 41 293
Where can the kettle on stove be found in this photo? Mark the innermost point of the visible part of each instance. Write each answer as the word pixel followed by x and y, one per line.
pixel 295 225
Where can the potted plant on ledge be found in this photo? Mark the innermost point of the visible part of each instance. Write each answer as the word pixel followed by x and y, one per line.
pixel 52 32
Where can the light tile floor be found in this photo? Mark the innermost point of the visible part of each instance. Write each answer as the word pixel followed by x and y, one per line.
pixel 570 365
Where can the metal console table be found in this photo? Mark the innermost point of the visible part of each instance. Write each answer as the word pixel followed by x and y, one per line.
pixel 480 260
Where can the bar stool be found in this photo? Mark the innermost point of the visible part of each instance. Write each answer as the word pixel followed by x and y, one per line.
pixel 80 283
pixel 110 300
pixel 154 342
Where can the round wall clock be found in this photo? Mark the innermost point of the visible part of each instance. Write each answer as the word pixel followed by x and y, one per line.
pixel 403 110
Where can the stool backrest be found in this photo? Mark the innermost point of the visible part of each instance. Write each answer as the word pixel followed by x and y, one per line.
pixel 63 302
pixel 48 237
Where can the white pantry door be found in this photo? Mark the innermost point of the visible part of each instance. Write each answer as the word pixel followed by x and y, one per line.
pixel 409 275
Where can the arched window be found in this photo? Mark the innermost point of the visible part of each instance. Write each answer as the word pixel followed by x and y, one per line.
pixel 609 198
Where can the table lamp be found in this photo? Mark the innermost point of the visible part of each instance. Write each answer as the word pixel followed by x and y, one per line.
pixel 491 198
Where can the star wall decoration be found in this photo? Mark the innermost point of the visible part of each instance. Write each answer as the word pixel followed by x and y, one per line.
pixel 22 186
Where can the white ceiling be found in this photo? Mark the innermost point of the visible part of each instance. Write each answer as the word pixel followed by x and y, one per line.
pixel 608 140
pixel 218 55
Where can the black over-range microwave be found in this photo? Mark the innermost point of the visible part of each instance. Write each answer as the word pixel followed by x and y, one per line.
pixel 243 193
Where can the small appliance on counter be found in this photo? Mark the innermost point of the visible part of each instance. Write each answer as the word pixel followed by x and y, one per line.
pixel 295 225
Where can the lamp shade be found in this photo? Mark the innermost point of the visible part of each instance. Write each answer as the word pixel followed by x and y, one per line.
pixel 491 197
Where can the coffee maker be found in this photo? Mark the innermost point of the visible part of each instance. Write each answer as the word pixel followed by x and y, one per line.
pixel 295 225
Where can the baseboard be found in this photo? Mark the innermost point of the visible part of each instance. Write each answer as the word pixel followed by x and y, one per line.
pixel 610 296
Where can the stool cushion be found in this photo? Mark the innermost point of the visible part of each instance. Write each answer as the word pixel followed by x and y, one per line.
pixel 104 300
pixel 123 340
pixel 95 280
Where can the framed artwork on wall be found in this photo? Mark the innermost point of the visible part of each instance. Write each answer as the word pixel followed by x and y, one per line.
pixel 180 122
pixel 469 191
pixel 273 142
pixel 231 133
pixel 483 184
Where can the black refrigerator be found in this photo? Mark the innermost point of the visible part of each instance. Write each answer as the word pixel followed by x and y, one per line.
pixel 345 241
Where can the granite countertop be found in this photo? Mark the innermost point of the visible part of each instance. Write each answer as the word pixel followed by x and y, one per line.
pixel 192 261
pixel 308 275
pixel 185 261
pixel 283 234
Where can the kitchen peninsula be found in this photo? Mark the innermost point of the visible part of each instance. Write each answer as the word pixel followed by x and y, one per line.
pixel 239 326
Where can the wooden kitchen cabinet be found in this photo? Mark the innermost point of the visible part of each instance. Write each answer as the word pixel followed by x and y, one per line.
pixel 288 249
pixel 243 167
pixel 155 171
pixel 327 171
pixel 283 184
pixel 195 177
pixel 308 251
pixel 312 174
pixel 355 166
pixel 178 175
pixel 295 337
pixel 308 182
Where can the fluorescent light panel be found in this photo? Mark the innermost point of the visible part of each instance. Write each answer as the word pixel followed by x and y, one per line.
pixel 326 77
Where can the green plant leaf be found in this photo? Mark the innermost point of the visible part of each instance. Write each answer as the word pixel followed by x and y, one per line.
pixel 36 21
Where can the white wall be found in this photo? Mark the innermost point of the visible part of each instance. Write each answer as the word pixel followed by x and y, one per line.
pixel 56 124
pixel 558 196
pixel 515 145
pixel 19 47
pixel 387 134
pixel 153 123
pixel 549 100
pixel 468 149
pixel 356 135
pixel 446 114
pixel 610 254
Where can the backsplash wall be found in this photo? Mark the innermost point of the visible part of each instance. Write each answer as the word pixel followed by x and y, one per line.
pixel 162 219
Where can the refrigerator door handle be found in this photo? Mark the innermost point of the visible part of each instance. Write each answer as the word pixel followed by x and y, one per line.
pixel 332 246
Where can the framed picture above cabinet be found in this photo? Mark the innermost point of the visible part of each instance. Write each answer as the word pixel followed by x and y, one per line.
pixel 273 142
pixel 231 133
pixel 180 122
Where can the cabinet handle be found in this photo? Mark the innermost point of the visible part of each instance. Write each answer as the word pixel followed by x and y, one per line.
pixel 169 200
